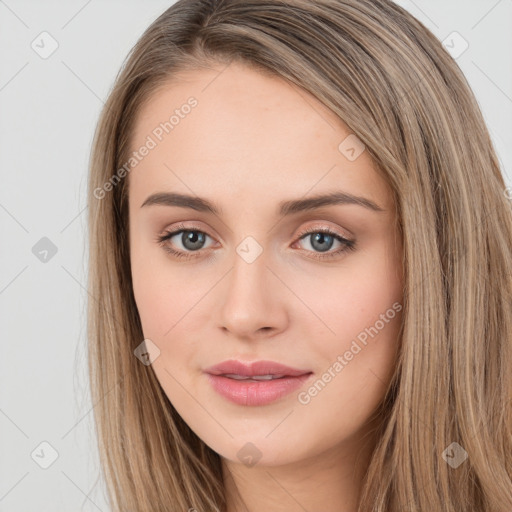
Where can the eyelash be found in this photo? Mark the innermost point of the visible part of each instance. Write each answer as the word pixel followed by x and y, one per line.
pixel 348 245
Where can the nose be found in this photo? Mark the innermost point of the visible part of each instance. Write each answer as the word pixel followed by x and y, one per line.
pixel 253 301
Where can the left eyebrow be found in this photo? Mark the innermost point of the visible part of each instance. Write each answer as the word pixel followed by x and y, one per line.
pixel 334 198
pixel 285 207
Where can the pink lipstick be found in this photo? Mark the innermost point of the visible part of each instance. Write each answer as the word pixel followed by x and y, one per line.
pixel 257 383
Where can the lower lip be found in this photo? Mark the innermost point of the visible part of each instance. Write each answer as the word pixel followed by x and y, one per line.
pixel 243 392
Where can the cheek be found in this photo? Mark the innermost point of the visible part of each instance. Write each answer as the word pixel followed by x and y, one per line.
pixel 157 294
pixel 363 310
pixel 166 311
pixel 360 358
pixel 361 301
pixel 170 302
pixel 161 301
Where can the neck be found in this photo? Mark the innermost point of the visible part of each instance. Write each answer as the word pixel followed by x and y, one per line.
pixel 330 481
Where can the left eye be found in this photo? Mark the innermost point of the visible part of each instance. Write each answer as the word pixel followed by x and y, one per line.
pixel 321 241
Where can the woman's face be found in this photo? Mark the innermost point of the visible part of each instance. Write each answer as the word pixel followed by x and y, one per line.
pixel 245 156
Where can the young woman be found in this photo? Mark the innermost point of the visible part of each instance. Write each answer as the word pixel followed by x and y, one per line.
pixel 301 265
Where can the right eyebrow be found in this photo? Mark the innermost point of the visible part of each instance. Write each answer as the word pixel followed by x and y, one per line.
pixel 182 200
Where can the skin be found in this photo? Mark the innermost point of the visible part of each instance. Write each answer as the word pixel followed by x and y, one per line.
pixel 251 142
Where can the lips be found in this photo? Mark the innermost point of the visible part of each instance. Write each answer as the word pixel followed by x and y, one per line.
pixel 255 384
pixel 263 369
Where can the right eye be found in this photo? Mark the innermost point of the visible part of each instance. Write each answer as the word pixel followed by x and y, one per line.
pixel 192 241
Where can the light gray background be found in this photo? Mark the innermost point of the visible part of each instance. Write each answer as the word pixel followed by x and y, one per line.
pixel 48 110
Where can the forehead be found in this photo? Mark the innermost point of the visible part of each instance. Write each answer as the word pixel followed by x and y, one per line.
pixel 234 132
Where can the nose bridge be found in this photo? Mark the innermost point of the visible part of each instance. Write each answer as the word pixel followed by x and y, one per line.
pixel 251 300
pixel 251 252
pixel 249 277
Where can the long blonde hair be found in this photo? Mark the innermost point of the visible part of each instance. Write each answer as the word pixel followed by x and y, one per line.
pixel 394 85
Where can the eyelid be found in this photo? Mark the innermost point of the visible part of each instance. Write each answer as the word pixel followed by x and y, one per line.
pixel 320 226
pixel 185 227
pixel 171 232
pixel 325 227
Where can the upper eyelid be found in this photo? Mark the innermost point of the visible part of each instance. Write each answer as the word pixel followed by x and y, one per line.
pixel 178 229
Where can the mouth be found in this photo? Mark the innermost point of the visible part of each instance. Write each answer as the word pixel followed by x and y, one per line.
pixel 257 383
pixel 258 370
pixel 254 378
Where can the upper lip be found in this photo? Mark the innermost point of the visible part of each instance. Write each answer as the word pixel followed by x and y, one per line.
pixel 255 368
